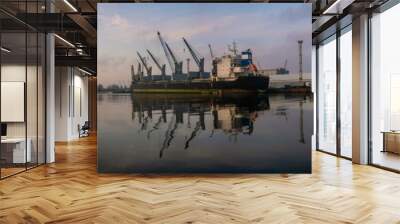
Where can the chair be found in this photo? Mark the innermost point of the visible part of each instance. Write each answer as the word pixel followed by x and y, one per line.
pixel 84 130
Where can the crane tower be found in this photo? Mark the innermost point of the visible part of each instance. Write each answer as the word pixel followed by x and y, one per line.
pixel 300 42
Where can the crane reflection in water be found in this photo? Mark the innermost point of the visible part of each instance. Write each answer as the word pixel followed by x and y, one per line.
pixel 230 115
pixel 204 133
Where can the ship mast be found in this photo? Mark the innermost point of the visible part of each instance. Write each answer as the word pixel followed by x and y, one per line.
pixel 211 52
pixel 233 49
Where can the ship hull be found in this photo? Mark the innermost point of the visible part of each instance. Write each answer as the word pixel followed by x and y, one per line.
pixel 241 84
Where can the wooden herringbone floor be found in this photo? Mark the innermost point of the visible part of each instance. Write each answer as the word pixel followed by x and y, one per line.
pixel 70 191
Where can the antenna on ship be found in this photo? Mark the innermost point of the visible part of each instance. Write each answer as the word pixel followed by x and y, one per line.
pixel 233 49
pixel 259 65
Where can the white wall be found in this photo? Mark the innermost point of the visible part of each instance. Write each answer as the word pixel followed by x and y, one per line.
pixel 62 83
pixel 33 126
pixel 14 73
pixel 80 112
pixel 17 73
pixel 71 87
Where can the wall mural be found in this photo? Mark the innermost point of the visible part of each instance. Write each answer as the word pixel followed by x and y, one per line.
pixel 204 88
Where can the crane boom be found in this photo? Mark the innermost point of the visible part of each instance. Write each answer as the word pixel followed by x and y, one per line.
pixel 154 59
pixel 177 65
pixel 148 68
pixel 166 52
pixel 198 59
pixel 159 66
pixel 194 55
pixel 171 53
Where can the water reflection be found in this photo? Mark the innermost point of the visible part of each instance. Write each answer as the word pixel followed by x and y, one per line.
pixel 230 115
pixel 204 133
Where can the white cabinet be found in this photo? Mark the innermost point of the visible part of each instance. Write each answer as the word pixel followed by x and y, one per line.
pixel 19 154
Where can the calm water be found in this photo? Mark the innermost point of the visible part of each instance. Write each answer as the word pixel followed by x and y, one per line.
pixel 149 133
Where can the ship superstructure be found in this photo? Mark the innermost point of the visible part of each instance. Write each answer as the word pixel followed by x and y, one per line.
pixel 232 66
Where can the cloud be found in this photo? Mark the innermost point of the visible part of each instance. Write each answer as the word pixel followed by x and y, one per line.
pixel 205 27
pixel 270 31
pixel 117 20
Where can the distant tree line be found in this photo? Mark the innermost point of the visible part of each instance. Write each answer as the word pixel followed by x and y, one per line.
pixel 112 88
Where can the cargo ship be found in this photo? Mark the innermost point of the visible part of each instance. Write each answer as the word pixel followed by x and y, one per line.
pixel 233 72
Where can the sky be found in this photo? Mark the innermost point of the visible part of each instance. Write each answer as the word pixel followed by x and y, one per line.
pixel 271 31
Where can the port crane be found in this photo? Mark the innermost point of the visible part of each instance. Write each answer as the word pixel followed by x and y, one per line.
pixel 214 63
pixel 283 70
pixel 159 66
pixel 300 42
pixel 139 71
pixel 176 67
pixel 133 75
pixel 196 57
pixel 145 65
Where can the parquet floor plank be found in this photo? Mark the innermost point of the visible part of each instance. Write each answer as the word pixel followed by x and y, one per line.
pixel 71 191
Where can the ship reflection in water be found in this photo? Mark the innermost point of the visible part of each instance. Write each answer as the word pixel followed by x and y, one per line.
pixel 150 133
